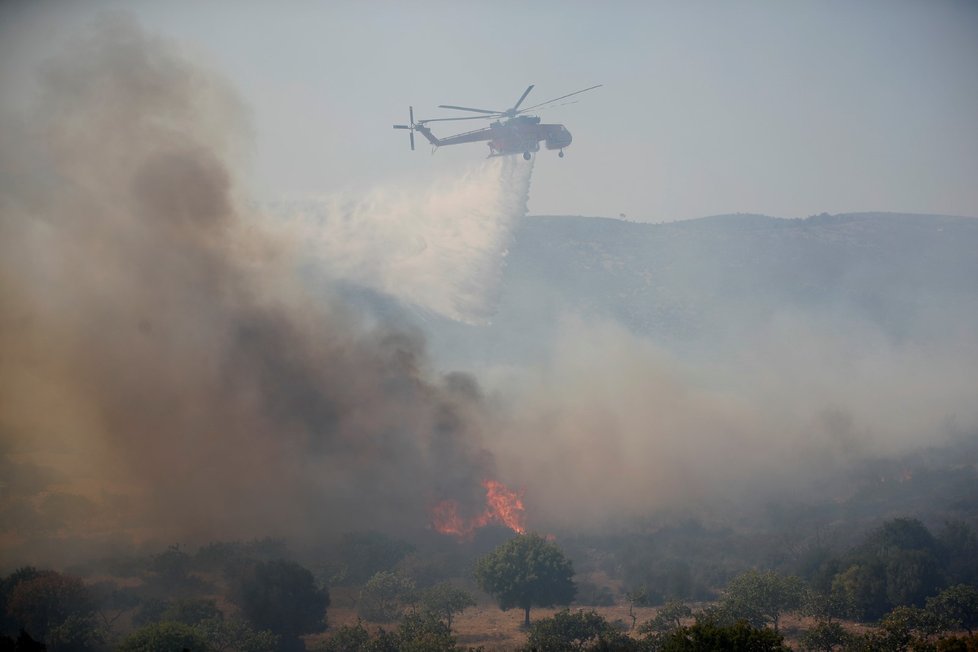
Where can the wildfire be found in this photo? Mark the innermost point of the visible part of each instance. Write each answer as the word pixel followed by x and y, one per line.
pixel 503 506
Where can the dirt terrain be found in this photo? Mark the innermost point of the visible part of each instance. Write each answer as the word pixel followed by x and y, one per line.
pixel 486 625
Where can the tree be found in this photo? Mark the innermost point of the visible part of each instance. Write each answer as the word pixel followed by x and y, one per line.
pixel 826 636
pixel 668 618
pixel 9 624
pixel 956 607
pixel 527 571
pixel 48 600
pixel 911 576
pixel 958 546
pixel 634 598
pixel 171 569
pixel 383 597
pixel 112 602
pixel 347 638
pixel 902 628
pixel 826 606
pixel 862 587
pixel 280 596
pixel 761 597
pixel 446 600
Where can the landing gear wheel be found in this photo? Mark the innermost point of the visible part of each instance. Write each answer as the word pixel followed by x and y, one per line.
pixel 526 156
pixel 560 153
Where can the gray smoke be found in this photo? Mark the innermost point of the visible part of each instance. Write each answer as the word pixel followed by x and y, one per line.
pixel 437 247
pixel 162 365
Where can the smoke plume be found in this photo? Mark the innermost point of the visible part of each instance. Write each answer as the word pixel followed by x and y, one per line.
pixel 165 375
pixel 438 248
pixel 615 428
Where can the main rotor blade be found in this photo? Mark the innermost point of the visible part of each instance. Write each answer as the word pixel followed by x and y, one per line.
pixel 536 106
pixel 412 140
pixel 474 117
pixel 522 97
pixel 465 108
pixel 402 127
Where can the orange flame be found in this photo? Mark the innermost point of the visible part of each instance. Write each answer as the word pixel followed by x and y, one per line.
pixel 503 506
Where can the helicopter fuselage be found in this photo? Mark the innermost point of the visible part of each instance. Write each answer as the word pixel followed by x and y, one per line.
pixel 518 135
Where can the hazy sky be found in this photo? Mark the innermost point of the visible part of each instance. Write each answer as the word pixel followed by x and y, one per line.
pixel 782 108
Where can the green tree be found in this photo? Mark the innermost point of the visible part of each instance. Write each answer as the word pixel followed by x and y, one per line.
pixel 527 571
pixel 956 607
pixel 902 627
pixel 763 596
pixel 900 534
pixel 826 607
pixel 280 596
pixel 862 587
pixel 911 576
pixel 446 600
pixel 383 597
pixel 826 636
pixel 958 546
pixel 668 618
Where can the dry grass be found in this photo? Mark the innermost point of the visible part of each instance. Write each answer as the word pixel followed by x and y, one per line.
pixel 487 626
pixel 495 630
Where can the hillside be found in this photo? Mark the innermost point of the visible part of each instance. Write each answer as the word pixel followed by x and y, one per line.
pixel 723 276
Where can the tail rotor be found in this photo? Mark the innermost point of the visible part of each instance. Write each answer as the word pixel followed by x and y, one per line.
pixel 410 127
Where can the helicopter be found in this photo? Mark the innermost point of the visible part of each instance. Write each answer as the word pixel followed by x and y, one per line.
pixel 510 132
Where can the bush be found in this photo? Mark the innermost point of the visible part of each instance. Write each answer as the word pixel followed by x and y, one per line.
pixel 382 599
pixel 445 600
pixel 706 636
pixel 280 596
pixel 826 636
pixel 166 637
pixel 580 630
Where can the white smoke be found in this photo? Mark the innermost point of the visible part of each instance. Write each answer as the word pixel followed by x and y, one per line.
pixel 441 248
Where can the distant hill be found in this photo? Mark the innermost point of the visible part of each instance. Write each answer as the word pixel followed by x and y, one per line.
pixel 717 277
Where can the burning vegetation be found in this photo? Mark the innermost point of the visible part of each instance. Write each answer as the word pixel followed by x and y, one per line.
pixel 503 507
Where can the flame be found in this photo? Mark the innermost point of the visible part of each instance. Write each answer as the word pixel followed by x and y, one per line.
pixel 503 506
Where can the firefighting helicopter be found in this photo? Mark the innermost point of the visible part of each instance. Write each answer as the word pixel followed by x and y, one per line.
pixel 511 132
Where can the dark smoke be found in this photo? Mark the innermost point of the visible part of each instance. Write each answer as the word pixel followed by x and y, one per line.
pixel 162 364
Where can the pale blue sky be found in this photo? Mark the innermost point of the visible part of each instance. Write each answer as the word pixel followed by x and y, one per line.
pixel 783 108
